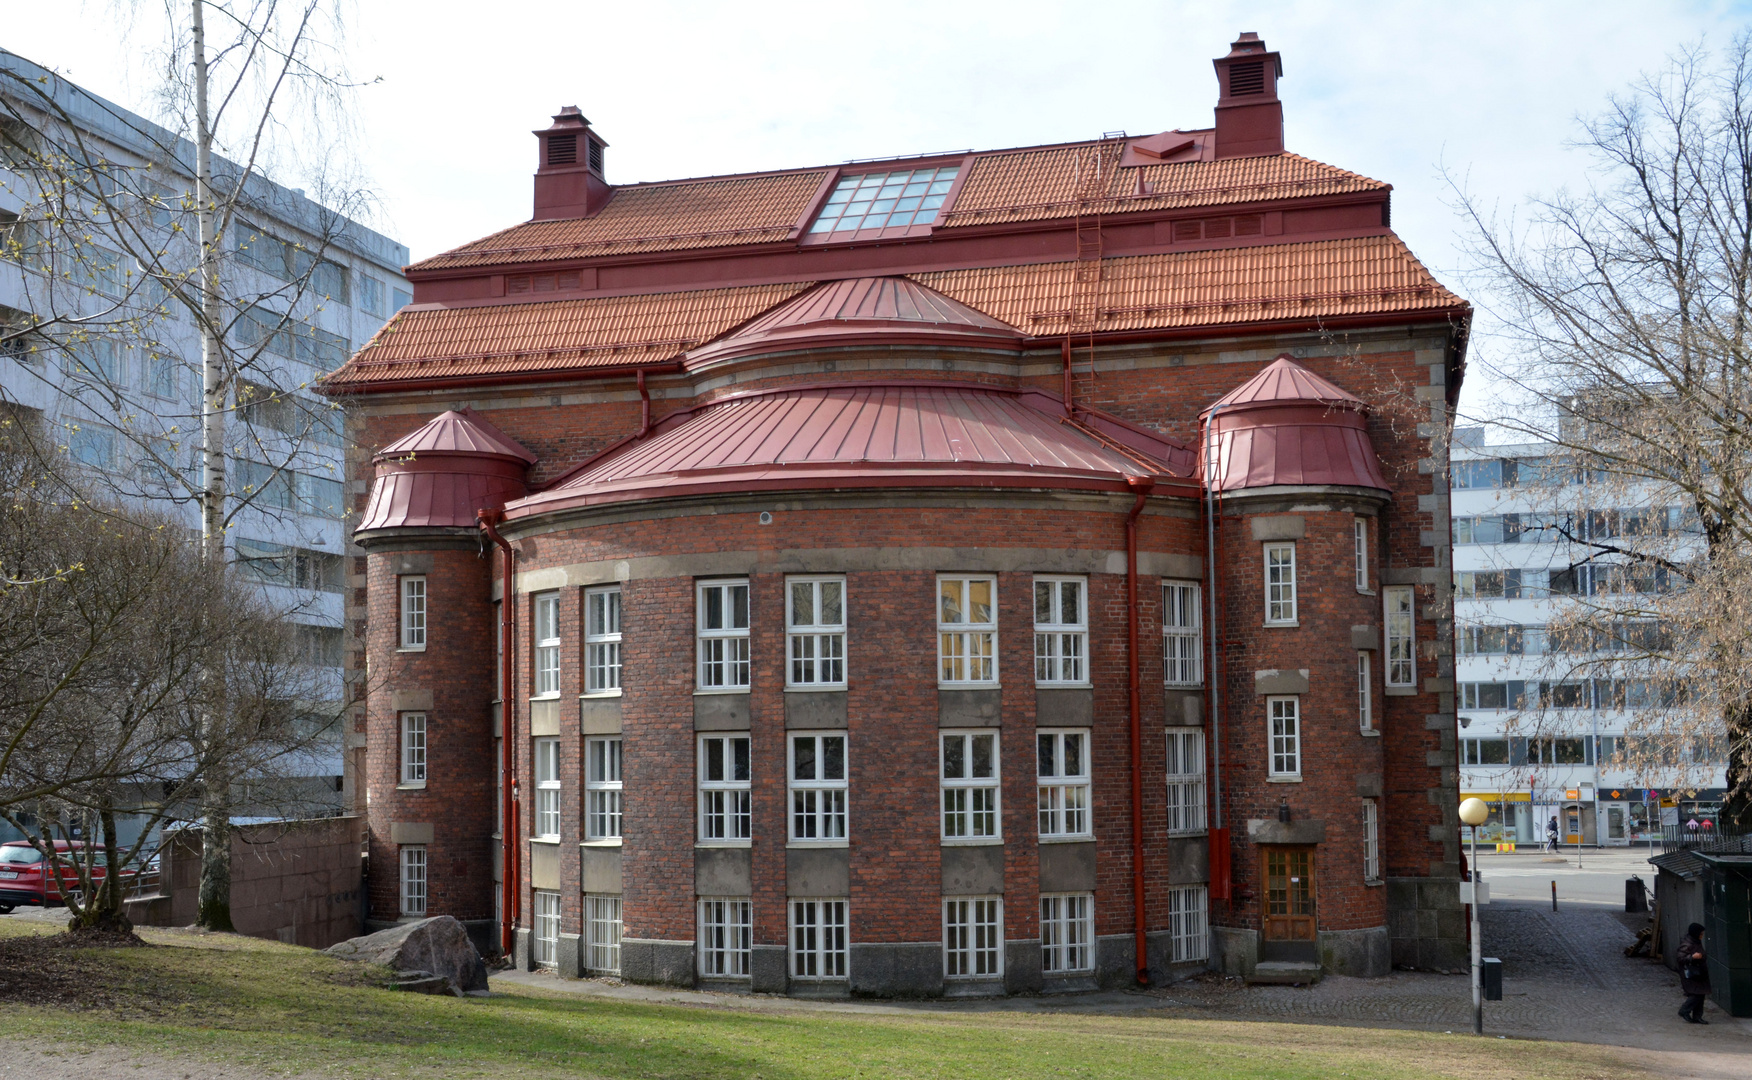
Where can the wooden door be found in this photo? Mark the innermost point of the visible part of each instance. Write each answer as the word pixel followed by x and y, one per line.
pixel 1289 893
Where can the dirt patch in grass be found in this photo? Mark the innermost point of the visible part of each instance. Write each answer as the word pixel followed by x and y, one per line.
pixel 76 972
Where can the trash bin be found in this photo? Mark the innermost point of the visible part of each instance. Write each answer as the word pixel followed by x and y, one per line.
pixel 1491 978
pixel 1636 895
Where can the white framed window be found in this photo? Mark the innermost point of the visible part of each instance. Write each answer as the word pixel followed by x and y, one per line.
pixel 724 788
pixel 413 612
pixel 973 937
pixel 1186 780
pixel 413 748
pixel 723 635
pixel 726 937
pixel 413 880
pixel 818 939
pixel 545 948
pixel 547 644
pixel 602 640
pixel 1062 767
pixel 1401 637
pixel 1285 734
pixel 818 787
pixel 815 631
pixel 1061 631
pixel 967 631
pixel 969 777
pixel 1371 840
pixel 1280 584
pixel 1067 933
pixel 1360 528
pixel 1182 620
pixel 547 789
pixel 1365 695
pixel 602 789
pixel 1188 929
pixel 602 933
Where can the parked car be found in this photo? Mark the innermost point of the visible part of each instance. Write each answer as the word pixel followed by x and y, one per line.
pixel 23 882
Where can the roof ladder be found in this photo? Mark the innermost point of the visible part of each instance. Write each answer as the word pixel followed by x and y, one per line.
pixel 1097 165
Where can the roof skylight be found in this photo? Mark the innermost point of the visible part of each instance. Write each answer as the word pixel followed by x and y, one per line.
pixel 885 200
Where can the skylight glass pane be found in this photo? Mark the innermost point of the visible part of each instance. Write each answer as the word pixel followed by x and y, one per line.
pixel 885 200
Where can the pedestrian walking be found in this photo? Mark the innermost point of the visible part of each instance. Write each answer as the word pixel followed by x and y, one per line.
pixel 1551 835
pixel 1693 975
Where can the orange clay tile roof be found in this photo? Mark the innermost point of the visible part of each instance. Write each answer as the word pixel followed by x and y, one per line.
pixel 556 336
pixel 1323 279
pixel 1035 184
pixel 654 217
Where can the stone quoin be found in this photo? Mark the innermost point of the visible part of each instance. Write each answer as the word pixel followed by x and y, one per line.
pixel 973 573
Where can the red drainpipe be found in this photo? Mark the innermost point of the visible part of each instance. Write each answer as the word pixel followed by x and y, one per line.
pixel 644 406
pixel 1065 355
pixel 1141 485
pixel 511 885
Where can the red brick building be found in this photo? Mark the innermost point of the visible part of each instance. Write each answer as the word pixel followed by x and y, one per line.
pixel 952 574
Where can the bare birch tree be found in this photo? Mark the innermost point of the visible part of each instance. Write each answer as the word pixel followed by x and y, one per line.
pixel 1624 316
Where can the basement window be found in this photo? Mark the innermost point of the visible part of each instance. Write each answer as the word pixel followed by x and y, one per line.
pixel 886 200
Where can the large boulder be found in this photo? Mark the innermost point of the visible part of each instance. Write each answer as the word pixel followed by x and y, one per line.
pixel 439 945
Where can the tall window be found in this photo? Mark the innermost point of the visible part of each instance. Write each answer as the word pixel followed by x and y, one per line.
pixel 602 929
pixel 1187 927
pixel 1286 736
pixel 602 640
pixel 815 631
pixel 723 620
pixel 1061 631
pixel 1186 781
pixel 973 937
pixel 413 748
pixel 547 645
pixel 724 788
pixel 967 630
pixel 1401 638
pixel 546 950
pixel 602 787
pixel 1371 841
pixel 1067 933
pixel 1360 526
pixel 726 937
pixel 818 787
pixel 413 613
pixel 1182 658
pixel 970 785
pixel 1365 699
pixel 413 880
pixel 547 789
pixel 1062 764
pixel 1280 583
pixel 818 939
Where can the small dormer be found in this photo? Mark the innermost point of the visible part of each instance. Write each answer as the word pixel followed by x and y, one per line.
pixel 1250 118
pixel 569 179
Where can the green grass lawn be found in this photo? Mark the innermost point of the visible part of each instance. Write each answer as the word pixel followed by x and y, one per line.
pixel 266 1007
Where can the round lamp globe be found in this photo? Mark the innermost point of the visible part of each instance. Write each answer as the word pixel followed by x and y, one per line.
pixel 1474 812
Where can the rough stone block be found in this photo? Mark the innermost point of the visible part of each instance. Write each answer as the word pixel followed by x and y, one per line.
pixel 1365 637
pixel 819 709
pixel 1366 952
pixel 438 945
pixel 818 872
pixel 544 718
pixel 1279 527
pixel 973 870
pixel 904 970
pixel 602 870
pixel 723 872
pixel 767 969
pixel 721 712
pixel 1067 867
pixel 1064 708
pixel 1022 974
pixel 544 866
pixel 599 715
pixel 1189 860
pixel 1276 681
pixel 410 832
pixel 1234 950
pixel 1184 708
pixel 664 963
pixel 968 708
pixel 1272 831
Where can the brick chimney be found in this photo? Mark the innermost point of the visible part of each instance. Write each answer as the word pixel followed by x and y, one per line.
pixel 1250 118
pixel 568 180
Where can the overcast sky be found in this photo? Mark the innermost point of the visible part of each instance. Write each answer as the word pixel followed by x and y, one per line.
pixel 1391 90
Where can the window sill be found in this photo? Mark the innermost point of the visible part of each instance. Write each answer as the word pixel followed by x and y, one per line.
pixel 553 841
pixel 533 698
pixel 412 786
pixel 1373 883
pixel 610 843
pixel 1085 839
pixel 817 688
pixel 597 694
pixel 411 648
pixel 1183 686
pixel 1371 733
pixel 1064 685
pixel 817 845
pixel 1410 691
pixel 1282 625
pixel 1182 834
pixel 1283 779
pixel 1367 592
pixel 723 844
pixel 972 841
pixel 969 686
pixel 706 692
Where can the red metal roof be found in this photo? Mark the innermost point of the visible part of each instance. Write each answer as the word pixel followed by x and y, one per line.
pixel 856 309
pixel 1282 381
pixel 438 476
pixel 862 436
pixel 457 432
pixel 1287 425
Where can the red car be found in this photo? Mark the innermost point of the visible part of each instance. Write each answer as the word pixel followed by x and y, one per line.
pixel 23 882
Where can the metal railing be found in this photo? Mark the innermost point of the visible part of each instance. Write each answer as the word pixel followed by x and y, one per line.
pixel 1684 838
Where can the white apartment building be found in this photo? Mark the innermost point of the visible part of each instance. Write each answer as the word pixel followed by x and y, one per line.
pixel 125 413
pixel 1539 728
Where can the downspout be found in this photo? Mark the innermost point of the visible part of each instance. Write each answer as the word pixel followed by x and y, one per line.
pixel 1141 485
pixel 1221 886
pixel 511 885
pixel 644 407
pixel 1065 355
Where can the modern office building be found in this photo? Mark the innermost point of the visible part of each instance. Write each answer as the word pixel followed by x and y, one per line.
pixel 1542 723
pixel 952 574
pixel 125 403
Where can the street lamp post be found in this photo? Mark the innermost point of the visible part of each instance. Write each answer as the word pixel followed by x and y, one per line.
pixel 1475 813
